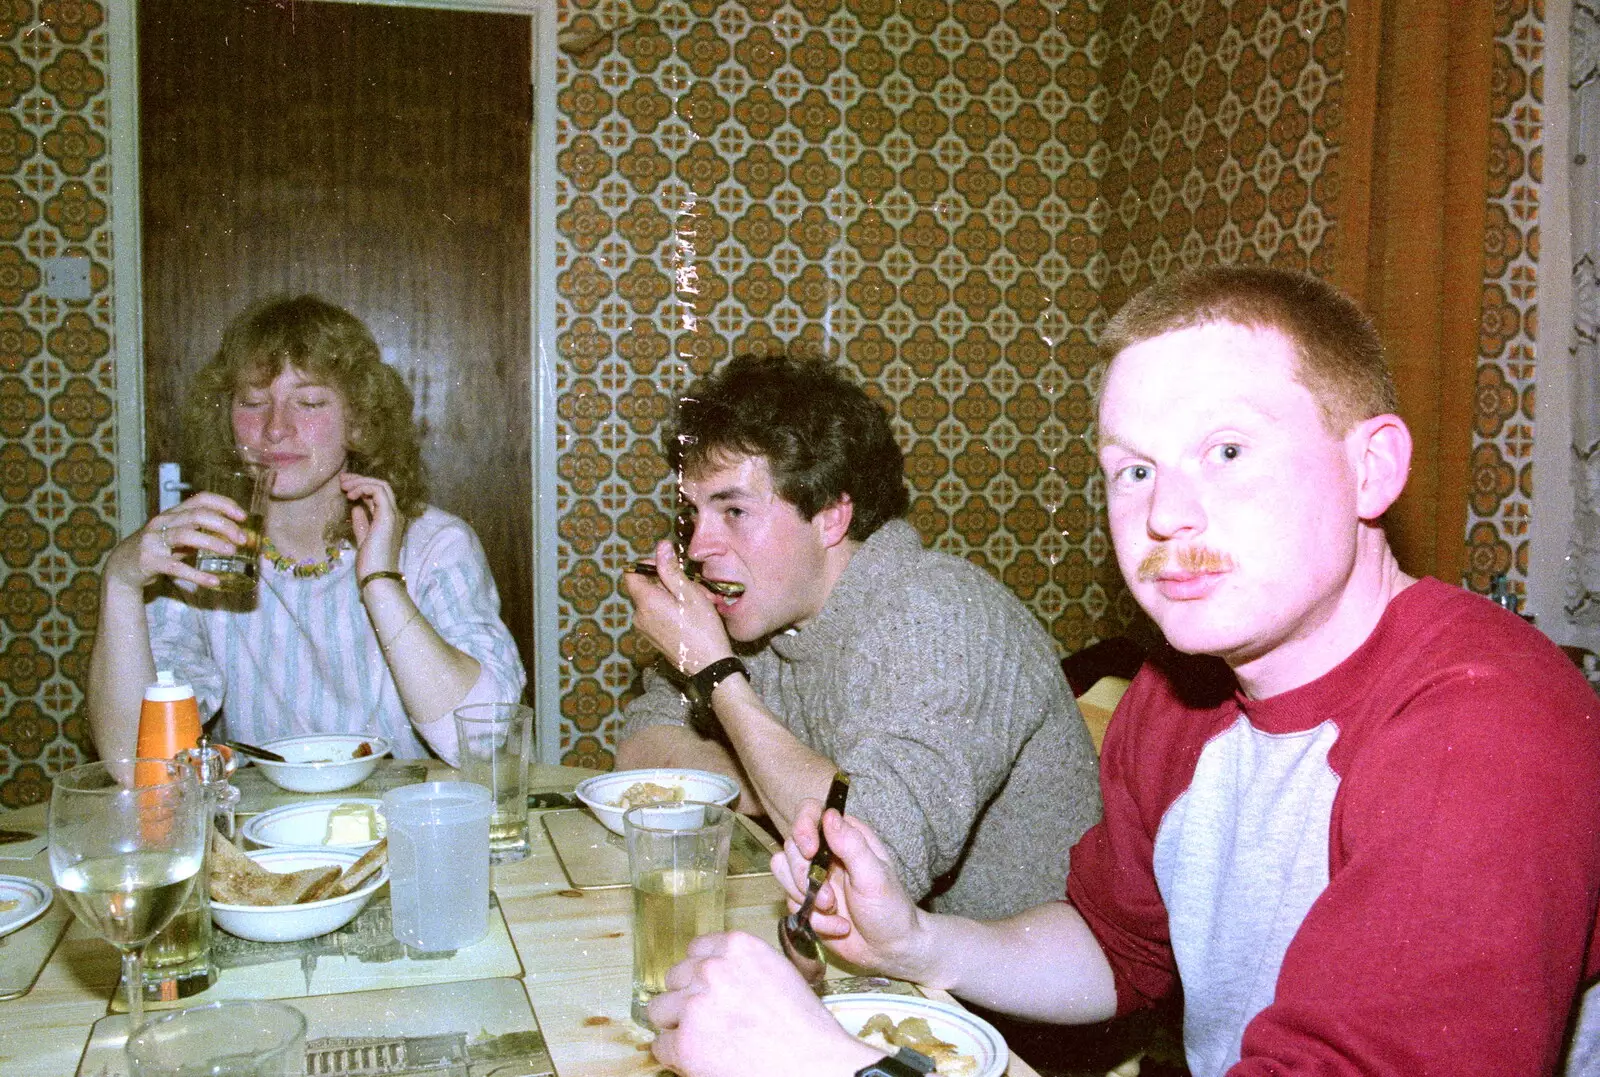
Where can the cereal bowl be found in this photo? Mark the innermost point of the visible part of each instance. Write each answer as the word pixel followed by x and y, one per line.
pixel 307 824
pixel 291 923
pixel 603 793
pixel 321 762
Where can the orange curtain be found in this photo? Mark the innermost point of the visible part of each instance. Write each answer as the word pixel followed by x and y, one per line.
pixel 1413 173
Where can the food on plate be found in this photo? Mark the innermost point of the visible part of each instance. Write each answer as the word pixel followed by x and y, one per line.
pixel 361 872
pixel 353 824
pixel 238 880
pixel 648 794
pixel 363 750
pixel 8 905
pixel 883 1031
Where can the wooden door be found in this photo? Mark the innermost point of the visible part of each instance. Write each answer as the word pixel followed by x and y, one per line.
pixel 378 156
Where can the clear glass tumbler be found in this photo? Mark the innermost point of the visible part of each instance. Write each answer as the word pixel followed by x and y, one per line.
pixel 678 866
pixel 496 744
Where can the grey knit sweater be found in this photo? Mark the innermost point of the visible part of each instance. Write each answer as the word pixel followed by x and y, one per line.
pixel 943 697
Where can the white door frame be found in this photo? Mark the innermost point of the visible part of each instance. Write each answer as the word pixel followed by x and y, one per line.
pixel 127 298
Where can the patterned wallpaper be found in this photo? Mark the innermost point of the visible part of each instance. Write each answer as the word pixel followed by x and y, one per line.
pixel 909 186
pixel 1502 449
pixel 58 508
pixel 950 195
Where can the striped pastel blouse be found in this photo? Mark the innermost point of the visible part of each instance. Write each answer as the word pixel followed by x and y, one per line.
pixel 306 660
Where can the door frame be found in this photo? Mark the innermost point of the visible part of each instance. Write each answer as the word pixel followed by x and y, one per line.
pixel 127 300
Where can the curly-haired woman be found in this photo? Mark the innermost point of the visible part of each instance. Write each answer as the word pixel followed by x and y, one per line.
pixel 375 612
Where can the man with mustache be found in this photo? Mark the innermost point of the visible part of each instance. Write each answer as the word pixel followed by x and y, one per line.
pixel 1372 846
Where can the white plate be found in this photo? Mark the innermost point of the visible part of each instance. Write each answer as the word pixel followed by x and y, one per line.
pixel 303 824
pixel 33 896
pixel 971 1035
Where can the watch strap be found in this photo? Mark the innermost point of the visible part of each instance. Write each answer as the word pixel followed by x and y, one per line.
pixel 903 1063
pixel 705 682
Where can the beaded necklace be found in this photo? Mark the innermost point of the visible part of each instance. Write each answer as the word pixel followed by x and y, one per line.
pixel 309 569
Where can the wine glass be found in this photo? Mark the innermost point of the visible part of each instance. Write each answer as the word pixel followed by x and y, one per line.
pixel 126 839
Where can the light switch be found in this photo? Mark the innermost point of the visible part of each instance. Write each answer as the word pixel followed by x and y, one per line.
pixel 66 277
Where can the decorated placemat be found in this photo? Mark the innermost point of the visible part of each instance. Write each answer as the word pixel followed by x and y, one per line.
pixel 477 1028
pixel 361 956
pixel 596 859
pixel 257 794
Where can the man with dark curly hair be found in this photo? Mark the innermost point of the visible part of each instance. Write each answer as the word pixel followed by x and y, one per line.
pixel 375 612
pixel 853 647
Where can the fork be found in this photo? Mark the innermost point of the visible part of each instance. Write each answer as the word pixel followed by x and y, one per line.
pixel 795 934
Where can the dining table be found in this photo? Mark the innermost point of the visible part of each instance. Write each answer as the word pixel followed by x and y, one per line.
pixel 572 945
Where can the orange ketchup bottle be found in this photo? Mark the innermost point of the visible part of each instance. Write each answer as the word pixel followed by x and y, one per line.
pixel 169 720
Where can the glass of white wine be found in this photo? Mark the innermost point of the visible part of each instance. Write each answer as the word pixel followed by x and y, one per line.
pixel 126 838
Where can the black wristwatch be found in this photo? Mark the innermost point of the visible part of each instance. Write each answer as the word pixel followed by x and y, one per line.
pixel 903 1063
pixel 702 684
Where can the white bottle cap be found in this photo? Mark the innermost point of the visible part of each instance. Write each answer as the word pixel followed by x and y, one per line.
pixel 166 689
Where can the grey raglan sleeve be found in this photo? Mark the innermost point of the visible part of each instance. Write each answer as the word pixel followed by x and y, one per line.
pixel 659 704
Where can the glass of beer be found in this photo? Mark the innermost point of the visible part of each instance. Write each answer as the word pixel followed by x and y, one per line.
pixel 678 867
pixel 495 741
pixel 249 486
pixel 177 962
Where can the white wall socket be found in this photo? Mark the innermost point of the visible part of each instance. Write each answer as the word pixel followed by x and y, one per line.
pixel 66 277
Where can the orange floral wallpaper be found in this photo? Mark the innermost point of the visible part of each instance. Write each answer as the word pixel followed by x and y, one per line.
pixel 57 450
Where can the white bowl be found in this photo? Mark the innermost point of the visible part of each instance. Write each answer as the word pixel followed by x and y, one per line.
pixel 970 1034
pixel 601 793
pixel 321 762
pixel 300 825
pixel 291 923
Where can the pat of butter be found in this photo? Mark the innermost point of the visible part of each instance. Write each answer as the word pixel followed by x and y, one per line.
pixel 353 824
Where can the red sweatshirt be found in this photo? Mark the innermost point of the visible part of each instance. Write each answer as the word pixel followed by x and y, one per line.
pixel 1394 869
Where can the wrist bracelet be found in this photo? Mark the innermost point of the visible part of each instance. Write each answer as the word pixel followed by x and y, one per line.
pixel 384 645
pixel 386 574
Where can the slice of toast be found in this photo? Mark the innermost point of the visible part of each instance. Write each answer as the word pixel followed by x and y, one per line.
pixel 238 880
pixel 363 870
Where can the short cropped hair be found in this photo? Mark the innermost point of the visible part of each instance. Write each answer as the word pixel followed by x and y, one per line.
pixel 332 347
pixel 1340 357
pixel 819 431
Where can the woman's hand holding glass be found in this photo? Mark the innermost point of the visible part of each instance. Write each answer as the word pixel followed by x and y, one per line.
pixel 164 545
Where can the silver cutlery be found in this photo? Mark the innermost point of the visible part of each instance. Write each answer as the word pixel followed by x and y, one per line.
pixel 795 934
pixel 724 588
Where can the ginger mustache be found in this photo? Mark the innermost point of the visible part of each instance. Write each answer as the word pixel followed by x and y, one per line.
pixel 1187 560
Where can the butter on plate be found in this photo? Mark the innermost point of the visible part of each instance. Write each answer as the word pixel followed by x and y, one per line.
pixel 353 824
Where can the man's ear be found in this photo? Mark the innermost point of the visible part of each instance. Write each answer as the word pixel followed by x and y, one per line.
pixel 833 522
pixel 1380 452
